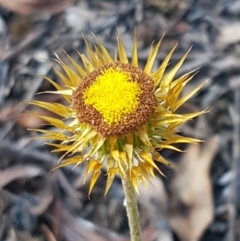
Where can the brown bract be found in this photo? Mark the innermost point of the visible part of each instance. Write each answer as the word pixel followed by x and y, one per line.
pixel 145 109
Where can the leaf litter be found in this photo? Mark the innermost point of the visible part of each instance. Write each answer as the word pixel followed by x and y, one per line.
pixel 196 201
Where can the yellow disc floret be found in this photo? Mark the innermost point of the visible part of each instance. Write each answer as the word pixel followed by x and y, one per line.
pixel 113 94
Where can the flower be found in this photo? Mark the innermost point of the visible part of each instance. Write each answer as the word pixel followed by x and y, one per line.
pixel 118 115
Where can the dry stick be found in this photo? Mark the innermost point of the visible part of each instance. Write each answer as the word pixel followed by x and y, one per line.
pixel 32 37
pixel 232 201
pixel 132 209
pixel 139 11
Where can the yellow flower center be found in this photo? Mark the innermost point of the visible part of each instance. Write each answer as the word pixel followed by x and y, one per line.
pixel 113 94
pixel 115 99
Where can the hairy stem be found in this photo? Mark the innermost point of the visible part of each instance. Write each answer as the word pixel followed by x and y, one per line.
pixel 132 209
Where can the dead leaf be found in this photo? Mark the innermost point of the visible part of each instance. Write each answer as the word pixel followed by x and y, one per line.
pixel 191 189
pixel 154 206
pixel 229 35
pixel 30 6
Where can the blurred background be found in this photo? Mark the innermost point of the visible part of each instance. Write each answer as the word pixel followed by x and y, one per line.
pixel 197 201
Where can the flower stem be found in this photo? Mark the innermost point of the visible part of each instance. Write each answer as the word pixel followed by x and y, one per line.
pixel 132 209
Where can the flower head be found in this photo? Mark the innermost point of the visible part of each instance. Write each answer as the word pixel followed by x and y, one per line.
pixel 119 116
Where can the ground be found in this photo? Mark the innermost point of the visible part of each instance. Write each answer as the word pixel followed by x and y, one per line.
pixel 196 201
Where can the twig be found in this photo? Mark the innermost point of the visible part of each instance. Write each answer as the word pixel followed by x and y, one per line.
pixel 232 201
pixel 173 26
pixel 139 11
pixel 47 233
pixel 11 150
pixel 26 42
pixel 28 96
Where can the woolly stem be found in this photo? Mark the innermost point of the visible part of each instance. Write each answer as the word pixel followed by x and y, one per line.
pixel 132 209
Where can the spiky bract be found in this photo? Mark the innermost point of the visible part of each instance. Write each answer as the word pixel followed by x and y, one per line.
pixel 124 135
